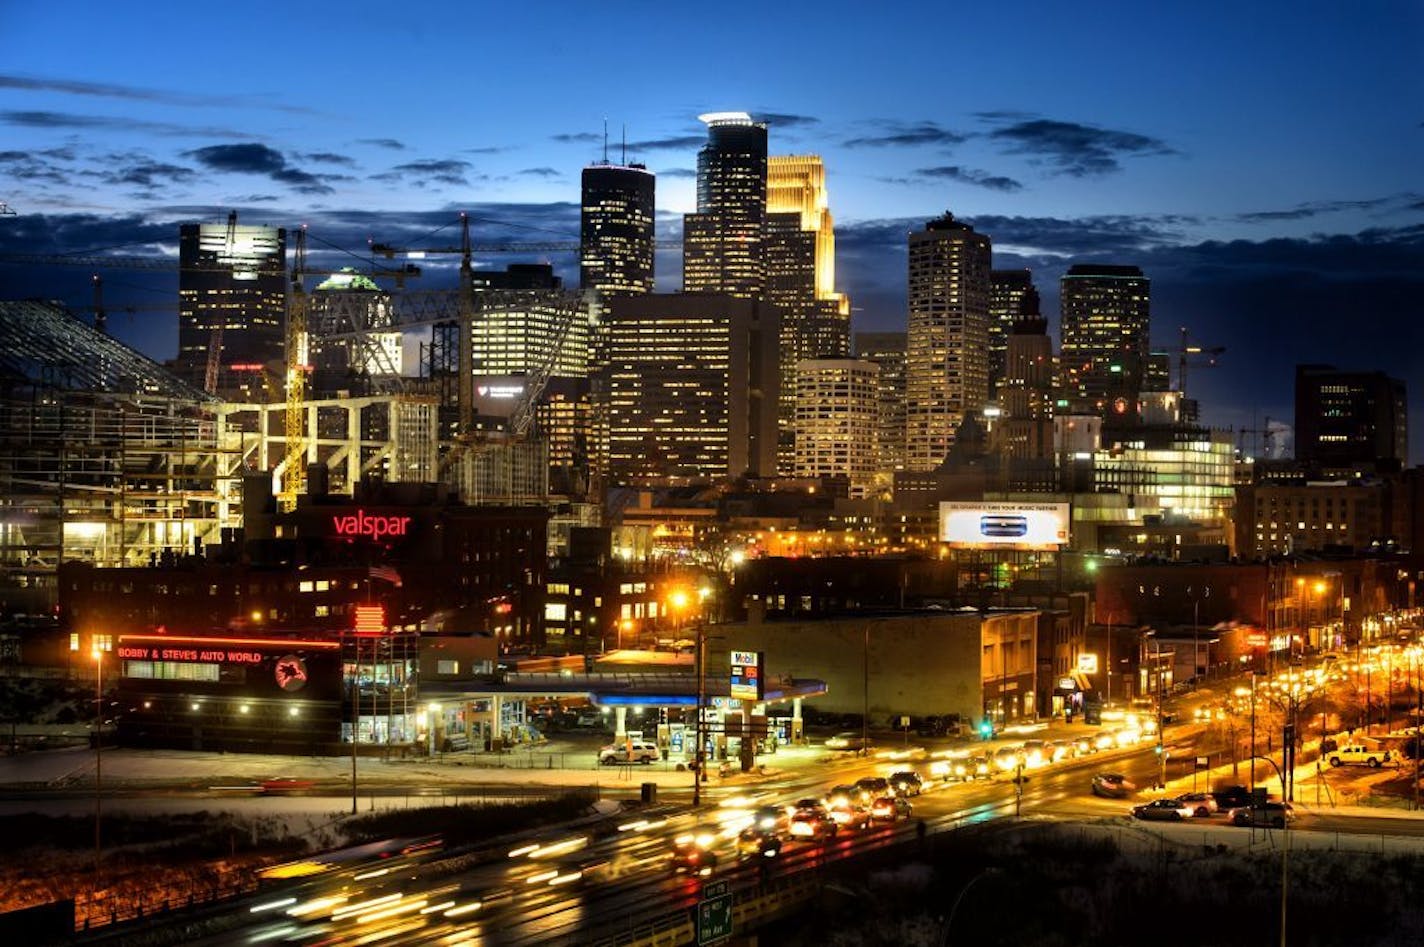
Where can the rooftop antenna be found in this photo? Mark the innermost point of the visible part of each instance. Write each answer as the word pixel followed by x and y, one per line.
pixel 625 144
pixel 605 140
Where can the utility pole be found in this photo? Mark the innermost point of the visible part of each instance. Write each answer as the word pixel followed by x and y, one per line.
pixel 865 695
pixel 98 764
pixel 698 761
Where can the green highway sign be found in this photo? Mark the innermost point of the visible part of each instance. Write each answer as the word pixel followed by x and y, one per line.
pixel 714 919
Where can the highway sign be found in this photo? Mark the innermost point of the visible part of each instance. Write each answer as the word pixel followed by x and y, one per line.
pixel 714 913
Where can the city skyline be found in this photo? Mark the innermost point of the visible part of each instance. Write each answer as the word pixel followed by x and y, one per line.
pixel 1261 169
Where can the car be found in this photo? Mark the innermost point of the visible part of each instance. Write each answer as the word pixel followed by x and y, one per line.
pixel 770 818
pixel 588 719
pixel 812 825
pixel 1059 750
pixel 891 809
pixel 1006 758
pixel 850 816
pixel 693 852
pixel 841 795
pixel 1035 753
pixel 810 804
pixel 1273 815
pixel 1202 804
pixel 754 841
pixel 932 726
pixel 906 782
pixel 1172 810
pixel 1112 786
pixel 1082 746
pixel 1105 740
pixel 1358 754
pixel 630 751
pixel 871 787
pixel 848 740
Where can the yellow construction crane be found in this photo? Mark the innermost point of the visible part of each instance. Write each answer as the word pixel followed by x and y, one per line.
pixel 294 473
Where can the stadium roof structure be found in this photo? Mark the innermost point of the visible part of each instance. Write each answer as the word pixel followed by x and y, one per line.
pixel 43 345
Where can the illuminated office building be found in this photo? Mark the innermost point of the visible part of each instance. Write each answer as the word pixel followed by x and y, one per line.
pixel 1345 420
pixel 800 254
pixel 1012 297
pixel 836 408
pixel 722 250
pixel 1106 313
pixel 1026 392
pixel 692 388
pixel 887 351
pixel 616 229
pixel 232 293
pixel 947 363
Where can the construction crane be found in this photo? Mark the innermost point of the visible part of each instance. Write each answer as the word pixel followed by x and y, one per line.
pixel 6 210
pixel 294 473
pixel 1185 351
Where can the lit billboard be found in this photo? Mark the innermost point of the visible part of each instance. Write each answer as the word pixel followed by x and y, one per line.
pixel 1003 525
pixel 746 681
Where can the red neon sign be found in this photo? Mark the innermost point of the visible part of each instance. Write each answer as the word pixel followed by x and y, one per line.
pixel 370 619
pixel 370 526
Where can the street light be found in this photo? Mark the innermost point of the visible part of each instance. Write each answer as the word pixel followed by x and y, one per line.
pixel 98 655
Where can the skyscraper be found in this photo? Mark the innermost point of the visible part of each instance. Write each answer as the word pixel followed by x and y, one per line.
pixel 692 388
pixel 722 248
pixel 1025 428
pixel 947 363
pixel 1012 296
pixel 232 294
pixel 835 421
pixel 1347 419
pixel 800 255
pixel 616 229
pixel 1106 315
pixel 887 351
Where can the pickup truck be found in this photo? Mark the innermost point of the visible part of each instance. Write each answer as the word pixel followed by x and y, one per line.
pixel 1371 756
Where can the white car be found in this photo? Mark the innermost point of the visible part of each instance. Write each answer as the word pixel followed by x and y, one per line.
pixel 633 751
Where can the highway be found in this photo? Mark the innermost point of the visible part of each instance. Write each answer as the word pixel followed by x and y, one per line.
pixel 583 886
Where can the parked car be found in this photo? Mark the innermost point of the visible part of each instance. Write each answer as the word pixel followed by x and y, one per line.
pixel 1358 754
pixel 1112 786
pixel 1273 815
pixel 1202 804
pixel 890 809
pixel 906 782
pixel 848 740
pixel 1172 810
pixel 633 751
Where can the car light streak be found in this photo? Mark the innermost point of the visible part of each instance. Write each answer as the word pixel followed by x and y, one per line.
pixel 464 909
pixel 361 907
pixel 271 905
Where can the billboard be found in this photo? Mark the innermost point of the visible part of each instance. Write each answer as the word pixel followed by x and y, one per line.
pixel 1003 525
pixel 746 681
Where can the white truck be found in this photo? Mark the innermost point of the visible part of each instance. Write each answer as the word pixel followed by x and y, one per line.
pixel 631 751
pixel 1358 754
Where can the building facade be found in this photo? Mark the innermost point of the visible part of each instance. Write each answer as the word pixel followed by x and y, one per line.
pixel 722 248
pixel 836 410
pixel 1106 311
pixel 232 292
pixel 1012 298
pixel 616 229
pixel 947 362
pixel 692 391
pixel 887 351
pixel 1345 420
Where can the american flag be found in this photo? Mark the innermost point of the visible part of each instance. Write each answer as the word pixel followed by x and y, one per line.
pixel 387 573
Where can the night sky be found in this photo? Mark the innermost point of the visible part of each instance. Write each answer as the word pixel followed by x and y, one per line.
pixel 1262 162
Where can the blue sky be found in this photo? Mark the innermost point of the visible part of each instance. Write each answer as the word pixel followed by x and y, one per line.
pixel 1261 162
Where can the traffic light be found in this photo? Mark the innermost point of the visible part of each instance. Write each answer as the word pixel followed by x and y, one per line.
pixel 1157 749
pixel 986 729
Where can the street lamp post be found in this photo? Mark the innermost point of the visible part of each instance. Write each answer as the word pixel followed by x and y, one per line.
pixel 98 762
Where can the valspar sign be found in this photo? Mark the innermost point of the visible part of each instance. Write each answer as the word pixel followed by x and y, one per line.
pixel 1003 525
pixel 363 525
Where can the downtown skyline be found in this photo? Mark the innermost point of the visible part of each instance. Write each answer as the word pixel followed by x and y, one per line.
pixel 1260 166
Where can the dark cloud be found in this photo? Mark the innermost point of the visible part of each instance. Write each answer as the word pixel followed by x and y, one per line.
pixel 149 174
pixel 389 143
pixel 33 119
pixel 1075 149
pixel 255 199
pixel 115 91
pixel 484 150
pixel 782 120
pixel 901 134
pixel 327 157
pixel 677 173
pixel 1311 209
pixel 577 138
pixel 954 172
pixel 671 143
pixel 443 171
pixel 259 159
pixel 542 172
